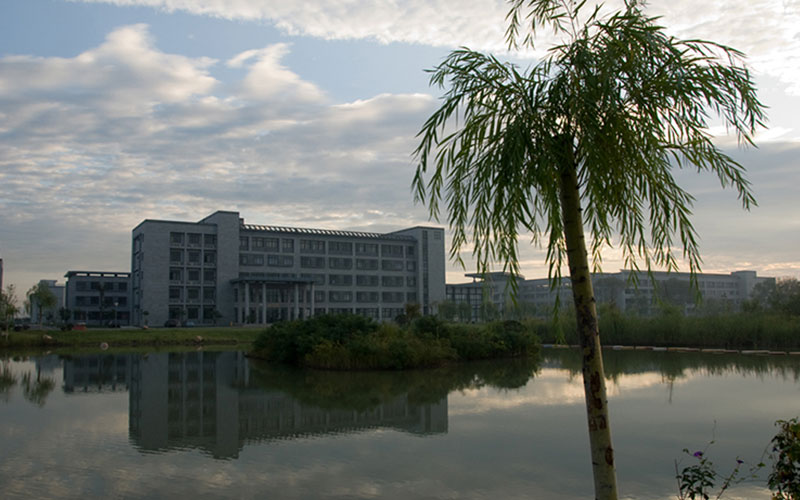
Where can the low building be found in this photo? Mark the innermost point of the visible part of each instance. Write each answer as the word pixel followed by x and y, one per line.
pixel 99 297
pixel 222 270
pixel 639 292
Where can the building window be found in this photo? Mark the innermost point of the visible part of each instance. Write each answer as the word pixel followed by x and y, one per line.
pixel 192 313
pixel 210 240
pixel 176 238
pixel 340 280
pixel 392 296
pixel 194 256
pixel 175 293
pixel 312 246
pixel 176 274
pixel 209 275
pixel 251 259
pixel 340 263
pixel 339 296
pixel 280 260
pixel 392 281
pixel 392 265
pixel 176 256
pixel 410 251
pixel 81 286
pixel 287 246
pixel 244 243
pixel 411 265
pixel 366 280
pixel 194 239
pixel 366 296
pixel 193 275
pixel 367 249
pixel 209 294
pixel 209 258
pixel 411 281
pixel 312 262
pixel 340 248
pixel 411 297
pixel 193 293
pixel 392 251
pixel 367 264
pixel 319 279
pixel 122 286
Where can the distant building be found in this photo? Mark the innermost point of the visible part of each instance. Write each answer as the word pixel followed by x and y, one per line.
pixel 49 314
pixel 99 297
pixel 628 291
pixel 223 270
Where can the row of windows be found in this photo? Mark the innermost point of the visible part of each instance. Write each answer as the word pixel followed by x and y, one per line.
pixel 285 296
pixel 83 286
pixel 193 239
pixel 393 297
pixel 192 275
pixel 94 300
pixel 311 246
pixel 192 293
pixel 193 313
pixel 192 257
pixel 362 280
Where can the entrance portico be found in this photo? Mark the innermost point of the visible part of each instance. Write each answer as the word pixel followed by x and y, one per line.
pixel 264 300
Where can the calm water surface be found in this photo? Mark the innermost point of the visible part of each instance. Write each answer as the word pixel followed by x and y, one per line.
pixel 216 425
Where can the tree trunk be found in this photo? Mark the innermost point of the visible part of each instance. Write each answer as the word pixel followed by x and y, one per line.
pixel 594 385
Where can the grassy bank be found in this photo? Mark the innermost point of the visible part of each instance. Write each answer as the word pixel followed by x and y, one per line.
pixel 724 331
pixel 129 338
pixel 349 342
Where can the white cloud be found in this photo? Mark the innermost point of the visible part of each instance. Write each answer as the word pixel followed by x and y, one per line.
pixel 766 30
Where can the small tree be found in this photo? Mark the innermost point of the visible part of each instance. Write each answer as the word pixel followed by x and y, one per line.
pixel 43 297
pixel 8 307
pixel 585 140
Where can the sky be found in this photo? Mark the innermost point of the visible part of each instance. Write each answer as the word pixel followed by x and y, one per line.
pixel 305 114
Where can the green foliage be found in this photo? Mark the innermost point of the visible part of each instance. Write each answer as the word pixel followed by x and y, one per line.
pixel 698 480
pixel 623 99
pixel 669 328
pixel 8 307
pixel 349 342
pixel 784 480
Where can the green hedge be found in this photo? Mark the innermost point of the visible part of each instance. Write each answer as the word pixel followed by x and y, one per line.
pixel 350 342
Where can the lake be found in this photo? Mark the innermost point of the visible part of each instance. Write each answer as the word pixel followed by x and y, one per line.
pixel 207 424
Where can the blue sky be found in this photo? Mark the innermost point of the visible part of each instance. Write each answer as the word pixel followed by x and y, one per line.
pixel 303 114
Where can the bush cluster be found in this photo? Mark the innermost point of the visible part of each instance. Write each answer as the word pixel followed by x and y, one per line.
pixel 350 342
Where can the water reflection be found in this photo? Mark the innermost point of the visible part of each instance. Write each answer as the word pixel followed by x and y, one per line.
pixel 149 426
pixel 217 402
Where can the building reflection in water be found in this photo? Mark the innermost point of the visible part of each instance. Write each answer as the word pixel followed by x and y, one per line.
pixel 97 373
pixel 205 400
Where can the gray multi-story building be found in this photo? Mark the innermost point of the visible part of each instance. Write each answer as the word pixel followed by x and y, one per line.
pixel 99 297
pixel 222 270
pixel 627 290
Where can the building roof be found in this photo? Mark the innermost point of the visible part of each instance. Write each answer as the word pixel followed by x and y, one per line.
pixel 325 232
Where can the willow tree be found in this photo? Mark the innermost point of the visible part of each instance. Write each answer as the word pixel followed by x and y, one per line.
pixel 585 142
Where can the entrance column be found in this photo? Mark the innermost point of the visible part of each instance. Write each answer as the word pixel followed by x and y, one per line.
pixel 311 313
pixel 246 302
pixel 264 303
pixel 296 301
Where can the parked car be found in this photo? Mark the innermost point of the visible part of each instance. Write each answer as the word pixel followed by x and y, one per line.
pixel 188 324
pixel 171 323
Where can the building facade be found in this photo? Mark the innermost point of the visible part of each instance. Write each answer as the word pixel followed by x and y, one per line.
pixel 220 270
pixel 99 297
pixel 628 291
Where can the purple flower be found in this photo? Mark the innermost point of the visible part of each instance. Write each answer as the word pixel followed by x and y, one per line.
pixel 698 454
